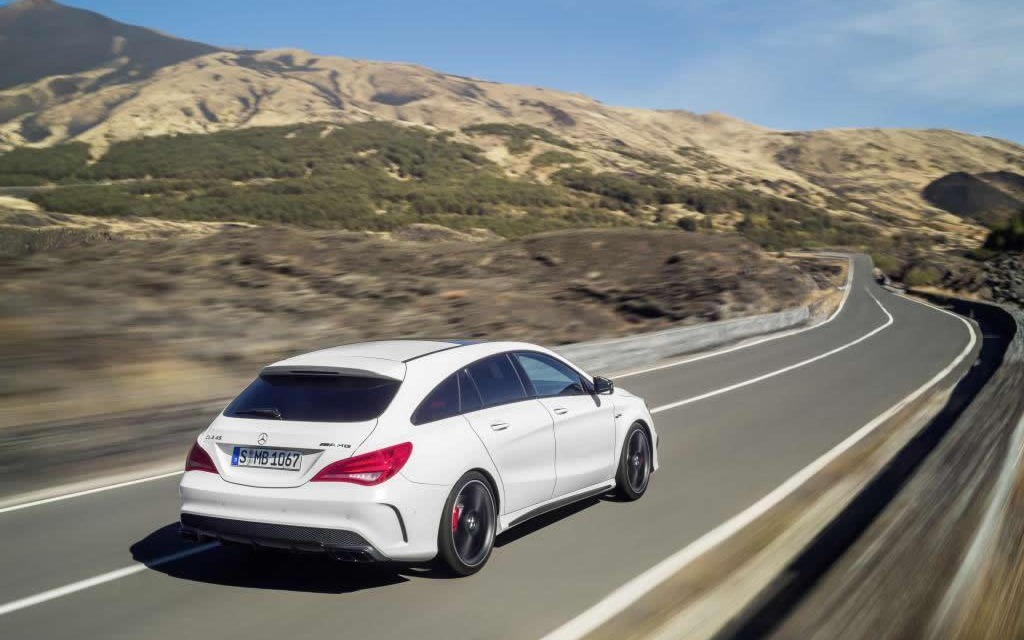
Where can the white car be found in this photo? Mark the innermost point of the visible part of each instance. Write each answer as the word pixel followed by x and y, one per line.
pixel 407 450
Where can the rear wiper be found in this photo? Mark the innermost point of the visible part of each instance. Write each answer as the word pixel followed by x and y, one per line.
pixel 269 412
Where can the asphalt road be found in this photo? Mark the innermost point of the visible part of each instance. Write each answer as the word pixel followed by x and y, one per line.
pixel 742 430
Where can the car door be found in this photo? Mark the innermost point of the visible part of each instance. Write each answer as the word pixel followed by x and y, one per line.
pixel 517 431
pixel 584 423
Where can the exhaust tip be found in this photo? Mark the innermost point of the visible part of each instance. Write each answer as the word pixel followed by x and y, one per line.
pixel 352 555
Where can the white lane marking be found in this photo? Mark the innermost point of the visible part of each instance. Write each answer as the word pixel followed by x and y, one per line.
pixel 778 372
pixel 618 600
pixel 110 576
pixel 753 343
pixel 78 494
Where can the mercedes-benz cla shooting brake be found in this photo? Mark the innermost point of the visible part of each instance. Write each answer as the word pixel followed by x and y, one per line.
pixel 408 450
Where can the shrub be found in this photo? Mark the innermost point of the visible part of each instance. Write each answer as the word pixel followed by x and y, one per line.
pixel 886 263
pixel 549 158
pixel 700 158
pixel 772 222
pixel 1008 236
pixel 517 135
pixel 654 161
pixel 687 224
pixel 922 276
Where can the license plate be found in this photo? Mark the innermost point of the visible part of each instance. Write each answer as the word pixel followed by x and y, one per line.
pixel 266 458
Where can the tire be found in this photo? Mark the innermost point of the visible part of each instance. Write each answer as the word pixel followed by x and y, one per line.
pixel 469 521
pixel 635 463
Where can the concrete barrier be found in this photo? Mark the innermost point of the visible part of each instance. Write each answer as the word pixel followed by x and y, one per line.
pixel 619 354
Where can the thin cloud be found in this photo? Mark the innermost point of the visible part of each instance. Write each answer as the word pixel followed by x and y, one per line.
pixel 806 63
pixel 970 53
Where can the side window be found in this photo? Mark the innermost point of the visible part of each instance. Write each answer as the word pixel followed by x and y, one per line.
pixel 469 395
pixel 497 380
pixel 441 403
pixel 551 377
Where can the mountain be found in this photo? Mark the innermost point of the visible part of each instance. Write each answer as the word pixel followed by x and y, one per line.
pixel 129 82
pixel 52 52
pixel 50 39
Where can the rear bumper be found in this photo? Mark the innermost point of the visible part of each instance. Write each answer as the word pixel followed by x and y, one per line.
pixel 344 545
pixel 397 520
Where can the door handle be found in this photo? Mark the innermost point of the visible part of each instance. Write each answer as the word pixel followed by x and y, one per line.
pixel 561 411
pixel 499 426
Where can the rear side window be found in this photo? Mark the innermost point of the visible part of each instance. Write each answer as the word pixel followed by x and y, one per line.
pixel 497 380
pixel 314 398
pixel 443 402
pixel 456 395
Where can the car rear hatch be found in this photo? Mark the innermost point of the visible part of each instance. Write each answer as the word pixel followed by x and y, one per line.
pixel 317 443
pixel 293 421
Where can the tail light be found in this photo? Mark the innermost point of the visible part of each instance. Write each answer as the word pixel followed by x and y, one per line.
pixel 367 468
pixel 199 460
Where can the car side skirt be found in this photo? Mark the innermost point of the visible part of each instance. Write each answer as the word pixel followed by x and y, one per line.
pixel 521 516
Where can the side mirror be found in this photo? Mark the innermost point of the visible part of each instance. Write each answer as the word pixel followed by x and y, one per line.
pixel 603 386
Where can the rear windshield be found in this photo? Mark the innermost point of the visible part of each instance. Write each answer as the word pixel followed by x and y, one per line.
pixel 314 398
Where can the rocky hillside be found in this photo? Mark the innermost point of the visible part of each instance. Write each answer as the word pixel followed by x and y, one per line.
pixel 145 84
pixel 1004 276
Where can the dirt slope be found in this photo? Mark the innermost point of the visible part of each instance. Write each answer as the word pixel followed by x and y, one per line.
pixel 155 313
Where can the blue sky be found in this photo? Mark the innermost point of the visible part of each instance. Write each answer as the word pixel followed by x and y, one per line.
pixel 790 64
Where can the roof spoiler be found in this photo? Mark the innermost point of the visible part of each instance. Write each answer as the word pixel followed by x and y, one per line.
pixel 383 373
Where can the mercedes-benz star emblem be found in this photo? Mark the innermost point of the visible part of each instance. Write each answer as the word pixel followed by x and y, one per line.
pixel 262 439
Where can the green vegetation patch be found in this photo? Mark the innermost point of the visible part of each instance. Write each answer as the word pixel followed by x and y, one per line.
pixel 780 225
pixel 888 264
pixel 553 158
pixel 518 137
pixel 700 158
pixel 341 203
pixel 922 276
pixel 653 160
pixel 772 222
pixel 374 176
pixel 1008 236
pixel 289 152
pixel 28 166
pixel 21 180
pixel 382 176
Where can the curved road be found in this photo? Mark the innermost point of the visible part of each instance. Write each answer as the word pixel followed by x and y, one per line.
pixel 733 427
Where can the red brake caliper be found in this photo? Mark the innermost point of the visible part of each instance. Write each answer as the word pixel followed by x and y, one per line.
pixel 456 516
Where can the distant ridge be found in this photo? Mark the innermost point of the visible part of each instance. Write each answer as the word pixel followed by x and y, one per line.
pixel 41 38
